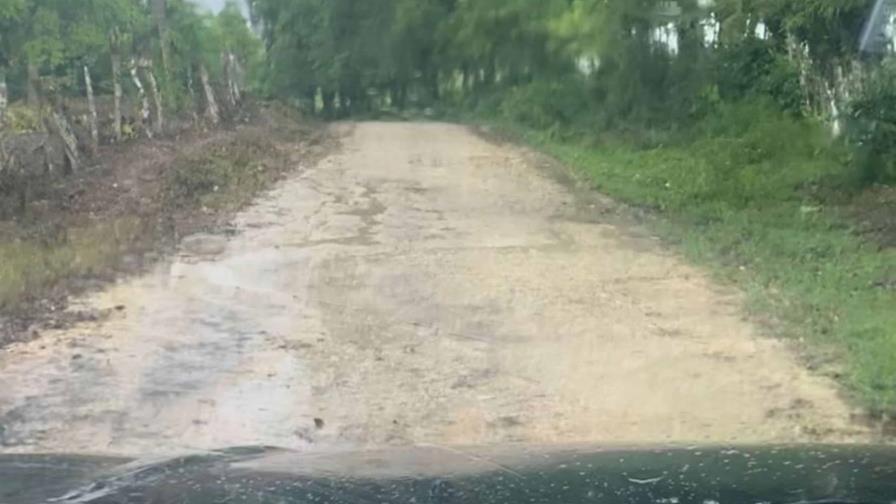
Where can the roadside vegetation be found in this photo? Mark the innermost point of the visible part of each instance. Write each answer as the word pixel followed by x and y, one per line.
pixel 29 265
pixel 123 124
pixel 120 217
pixel 762 135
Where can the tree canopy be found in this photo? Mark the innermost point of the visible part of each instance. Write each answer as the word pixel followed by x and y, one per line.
pixel 44 44
pixel 355 48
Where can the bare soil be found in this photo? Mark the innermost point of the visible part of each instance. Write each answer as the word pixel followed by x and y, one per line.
pixel 420 285
pixel 874 212
pixel 130 181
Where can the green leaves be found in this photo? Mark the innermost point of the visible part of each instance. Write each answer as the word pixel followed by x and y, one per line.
pixel 45 45
pixel 10 9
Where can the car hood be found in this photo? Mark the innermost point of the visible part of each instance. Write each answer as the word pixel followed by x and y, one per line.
pixel 786 474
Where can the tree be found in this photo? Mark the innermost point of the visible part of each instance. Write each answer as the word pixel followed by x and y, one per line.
pixel 43 47
pixel 10 15
pixel 212 47
pixel 96 34
pixel 241 48
pixel 160 18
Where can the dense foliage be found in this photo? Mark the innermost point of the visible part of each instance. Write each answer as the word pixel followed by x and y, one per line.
pixel 53 51
pixel 641 68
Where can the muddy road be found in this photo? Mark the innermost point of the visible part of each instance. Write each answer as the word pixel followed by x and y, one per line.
pixel 419 286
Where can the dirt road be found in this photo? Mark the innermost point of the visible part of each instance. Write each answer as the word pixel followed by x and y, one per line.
pixel 420 285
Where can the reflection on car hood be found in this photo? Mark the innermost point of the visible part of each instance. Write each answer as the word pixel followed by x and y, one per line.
pixel 785 474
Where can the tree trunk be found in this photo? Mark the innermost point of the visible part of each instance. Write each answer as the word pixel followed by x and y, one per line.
pixel 234 78
pixel 345 103
pixel 392 93
pixel 191 87
pixel 4 98
pixel 91 106
pixel 115 56
pixel 160 16
pixel 228 80
pixel 144 101
pixel 328 98
pixel 64 130
pixel 491 75
pixel 432 82
pixel 402 95
pixel 158 118
pixel 211 105
pixel 797 55
pixel 311 99
pixel 31 85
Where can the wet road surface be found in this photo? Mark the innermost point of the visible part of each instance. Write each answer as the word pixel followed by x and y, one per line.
pixel 419 286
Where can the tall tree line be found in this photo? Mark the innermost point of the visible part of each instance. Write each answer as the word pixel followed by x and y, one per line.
pixel 590 65
pixel 165 56
pixel 348 53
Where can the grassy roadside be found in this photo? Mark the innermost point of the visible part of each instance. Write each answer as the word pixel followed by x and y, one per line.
pixel 29 266
pixel 798 259
pixel 36 257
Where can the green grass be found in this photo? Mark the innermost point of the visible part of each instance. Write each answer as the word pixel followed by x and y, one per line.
pixel 30 267
pixel 749 214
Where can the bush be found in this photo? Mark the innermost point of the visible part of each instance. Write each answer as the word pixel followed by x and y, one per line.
pixel 744 154
pixel 752 68
pixel 218 177
pixel 553 106
pixel 871 128
pixel 23 119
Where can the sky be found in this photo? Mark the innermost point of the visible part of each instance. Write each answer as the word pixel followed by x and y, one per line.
pixel 214 5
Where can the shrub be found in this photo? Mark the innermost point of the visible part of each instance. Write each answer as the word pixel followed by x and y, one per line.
pixel 871 128
pixel 752 68
pixel 220 176
pixel 554 106
pixel 744 154
pixel 23 119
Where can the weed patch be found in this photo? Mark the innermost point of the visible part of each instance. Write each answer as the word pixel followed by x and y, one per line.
pixel 224 176
pixel 30 266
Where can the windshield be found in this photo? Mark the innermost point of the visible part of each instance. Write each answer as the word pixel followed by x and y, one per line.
pixel 346 225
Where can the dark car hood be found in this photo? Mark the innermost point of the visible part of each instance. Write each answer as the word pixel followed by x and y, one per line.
pixel 785 474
